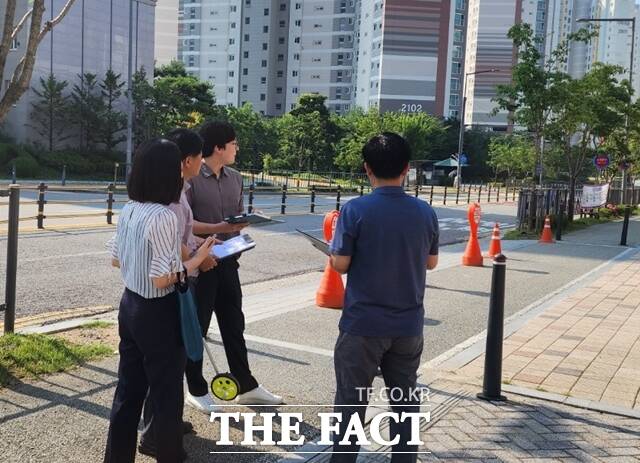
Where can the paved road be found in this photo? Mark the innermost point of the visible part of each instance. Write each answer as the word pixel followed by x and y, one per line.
pixel 68 269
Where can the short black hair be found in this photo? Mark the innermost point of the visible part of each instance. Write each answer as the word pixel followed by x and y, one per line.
pixel 156 173
pixel 387 155
pixel 216 133
pixel 189 142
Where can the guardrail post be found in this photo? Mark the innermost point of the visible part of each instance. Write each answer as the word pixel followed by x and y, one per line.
pixel 457 194
pixel 41 202
pixel 12 259
pixel 110 204
pixel 338 199
pixel 64 175
pixel 431 196
pixel 251 189
pixel 498 195
pixel 444 200
pixel 283 206
pixel 514 193
pixel 479 192
pixel 313 198
pixel 491 385
pixel 417 190
pixel 489 195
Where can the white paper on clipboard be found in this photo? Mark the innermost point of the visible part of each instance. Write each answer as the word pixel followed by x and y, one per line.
pixel 232 247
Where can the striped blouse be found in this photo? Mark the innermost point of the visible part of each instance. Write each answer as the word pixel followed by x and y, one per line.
pixel 147 245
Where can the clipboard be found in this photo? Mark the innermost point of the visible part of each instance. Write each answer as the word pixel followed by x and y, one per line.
pixel 319 244
pixel 251 219
pixel 232 247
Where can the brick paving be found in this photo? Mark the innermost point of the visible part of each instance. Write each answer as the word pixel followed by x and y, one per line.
pixel 587 346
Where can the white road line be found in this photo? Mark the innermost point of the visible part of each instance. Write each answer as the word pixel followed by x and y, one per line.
pixel 64 256
pixel 286 345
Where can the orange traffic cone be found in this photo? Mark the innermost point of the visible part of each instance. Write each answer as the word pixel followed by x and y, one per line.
pixel 330 294
pixel 494 247
pixel 547 236
pixel 472 254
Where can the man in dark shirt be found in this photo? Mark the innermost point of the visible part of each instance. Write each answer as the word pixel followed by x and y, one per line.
pixel 384 242
pixel 214 195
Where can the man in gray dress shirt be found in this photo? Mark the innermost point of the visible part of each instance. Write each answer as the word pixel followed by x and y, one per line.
pixel 214 195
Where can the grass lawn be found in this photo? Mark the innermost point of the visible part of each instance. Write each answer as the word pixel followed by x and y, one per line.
pixel 32 355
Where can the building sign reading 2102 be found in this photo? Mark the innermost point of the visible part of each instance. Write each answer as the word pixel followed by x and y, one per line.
pixel 410 108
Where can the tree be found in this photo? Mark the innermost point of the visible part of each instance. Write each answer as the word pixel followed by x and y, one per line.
pixel 534 84
pixel 85 109
pixel 512 155
pixel 587 111
pixel 302 141
pixel 112 121
pixel 49 112
pixel 21 78
pixel 256 135
pixel 174 69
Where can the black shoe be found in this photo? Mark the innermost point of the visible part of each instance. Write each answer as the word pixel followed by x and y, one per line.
pixel 149 451
pixel 187 427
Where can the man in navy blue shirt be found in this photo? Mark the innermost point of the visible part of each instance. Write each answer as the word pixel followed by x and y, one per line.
pixel 384 242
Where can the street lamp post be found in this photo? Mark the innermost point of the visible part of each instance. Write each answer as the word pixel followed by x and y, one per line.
pixel 462 109
pixel 633 41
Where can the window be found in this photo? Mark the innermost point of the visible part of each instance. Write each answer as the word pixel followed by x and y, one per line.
pixel 283 23
pixel 457 36
pixel 247 2
pixel 230 89
pixel 455 84
pixel 233 25
pixel 298 6
pixel 281 40
pixel 265 46
pixel 454 100
pixel 264 63
pixel 283 7
pixel 245 87
pixel 460 4
pixel 233 9
pixel 232 57
pixel 263 80
pixel 245 54
pixel 315 76
pixel 278 106
pixel 294 73
pixel 279 90
pixel 456 68
pixel 457 52
pixel 319 8
pixel 263 97
pixel 245 71
pixel 341 39
pixel 265 29
pixel 296 56
pixel 298 23
pixel 247 20
pixel 266 11
pixel 316 60
pixel 317 42
pixel 459 21
pixel 294 90
pixel 192 13
pixel 280 57
pixel 317 26
pixel 232 41
pixel 297 40
pixel 231 73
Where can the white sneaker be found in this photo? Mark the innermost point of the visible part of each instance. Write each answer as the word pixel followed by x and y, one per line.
pixel 204 403
pixel 259 396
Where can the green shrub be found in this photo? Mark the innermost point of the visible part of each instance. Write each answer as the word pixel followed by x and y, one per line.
pixel 9 152
pixel 26 166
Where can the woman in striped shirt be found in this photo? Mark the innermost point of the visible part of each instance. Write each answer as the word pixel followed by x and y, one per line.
pixel 147 249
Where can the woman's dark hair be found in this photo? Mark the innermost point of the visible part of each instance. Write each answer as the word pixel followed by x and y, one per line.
pixel 156 173
pixel 216 133
pixel 189 142
pixel 387 155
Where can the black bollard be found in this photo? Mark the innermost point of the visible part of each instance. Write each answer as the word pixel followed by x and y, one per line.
pixel 110 190
pixel 417 190
pixel 492 384
pixel 12 259
pixel 361 190
pixel 41 202
pixel 625 226
pixel 338 199
pixel 313 198
pixel 444 201
pixel 283 206
pixel 559 221
pixel 431 195
pixel 251 192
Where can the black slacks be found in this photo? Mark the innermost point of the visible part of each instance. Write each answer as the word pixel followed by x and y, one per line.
pixel 218 291
pixel 152 358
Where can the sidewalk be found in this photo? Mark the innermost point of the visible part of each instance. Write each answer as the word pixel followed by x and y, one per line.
pixel 292 353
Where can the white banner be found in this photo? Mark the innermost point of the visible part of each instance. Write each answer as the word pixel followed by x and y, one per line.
pixel 594 196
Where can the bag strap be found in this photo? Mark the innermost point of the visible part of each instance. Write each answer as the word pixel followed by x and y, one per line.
pixel 182 284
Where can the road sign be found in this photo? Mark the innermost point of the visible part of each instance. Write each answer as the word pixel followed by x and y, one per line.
pixel 601 161
pixel 463 159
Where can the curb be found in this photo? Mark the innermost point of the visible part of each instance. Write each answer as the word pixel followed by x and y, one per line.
pixel 50 318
